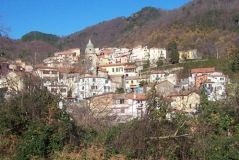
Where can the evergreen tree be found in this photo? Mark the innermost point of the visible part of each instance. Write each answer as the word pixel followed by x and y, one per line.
pixel 146 65
pixel 173 51
pixel 159 62
pixel 235 63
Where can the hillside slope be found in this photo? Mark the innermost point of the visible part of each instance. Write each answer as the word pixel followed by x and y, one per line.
pixel 208 25
pixel 211 26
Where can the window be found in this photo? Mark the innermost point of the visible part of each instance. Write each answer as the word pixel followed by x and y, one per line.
pixel 93 80
pixel 139 112
pixel 138 101
pixel 221 79
pixel 45 72
pixel 94 87
pixel 83 88
pixel 63 90
pixel 122 110
pixel 61 76
pixel 53 90
pixel 219 88
pixel 94 94
pixel 190 106
pixel 132 81
pixel 121 101
pixel 54 72
pixel 113 70
pixel 106 81
pixel 117 69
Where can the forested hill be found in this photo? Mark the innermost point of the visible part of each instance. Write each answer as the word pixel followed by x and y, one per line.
pixel 203 24
pixel 208 25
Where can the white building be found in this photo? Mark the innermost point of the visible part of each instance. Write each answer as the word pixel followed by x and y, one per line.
pixel 87 86
pixel 49 73
pixel 121 52
pixel 119 69
pixel 139 54
pixel 63 58
pixel 157 53
pixel 72 53
pixel 57 88
pixel 120 107
pixel 215 86
pixel 129 107
pixel 159 76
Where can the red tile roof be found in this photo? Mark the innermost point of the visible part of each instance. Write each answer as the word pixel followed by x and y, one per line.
pixel 136 96
pixel 203 70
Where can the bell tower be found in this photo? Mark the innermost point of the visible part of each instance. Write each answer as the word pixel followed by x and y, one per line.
pixel 90 57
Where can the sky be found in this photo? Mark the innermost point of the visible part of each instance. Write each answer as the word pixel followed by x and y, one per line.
pixel 63 17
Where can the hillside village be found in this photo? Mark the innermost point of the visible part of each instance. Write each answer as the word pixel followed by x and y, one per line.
pixel 116 80
pixel 119 80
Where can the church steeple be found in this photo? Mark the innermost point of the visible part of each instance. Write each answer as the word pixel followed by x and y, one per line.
pixel 90 44
pixel 90 57
pixel 90 48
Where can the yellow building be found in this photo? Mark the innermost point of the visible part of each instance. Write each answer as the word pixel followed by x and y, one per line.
pixel 188 55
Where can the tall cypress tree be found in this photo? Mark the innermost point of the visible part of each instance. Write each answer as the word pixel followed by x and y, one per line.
pixel 235 63
pixel 173 52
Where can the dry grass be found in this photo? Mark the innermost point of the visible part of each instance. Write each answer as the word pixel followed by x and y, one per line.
pixel 91 153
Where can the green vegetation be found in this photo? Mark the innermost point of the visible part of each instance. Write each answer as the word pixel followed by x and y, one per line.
pixel 146 65
pixel 142 17
pixel 224 65
pixel 160 62
pixel 173 52
pixel 235 63
pixel 119 90
pixel 39 36
pixel 213 134
pixel 32 127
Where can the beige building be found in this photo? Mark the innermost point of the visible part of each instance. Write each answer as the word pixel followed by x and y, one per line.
pixel 165 88
pixel 185 102
pixel 118 108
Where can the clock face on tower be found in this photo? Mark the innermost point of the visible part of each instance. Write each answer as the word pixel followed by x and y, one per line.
pixel 90 58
